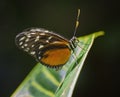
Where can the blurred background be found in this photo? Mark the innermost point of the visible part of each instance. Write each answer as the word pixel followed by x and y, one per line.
pixel 100 76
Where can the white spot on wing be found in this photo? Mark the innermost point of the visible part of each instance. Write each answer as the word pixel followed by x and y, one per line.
pixel 33 33
pixel 39 57
pixel 20 43
pixel 27 49
pixel 27 40
pixel 32 53
pixel 32 45
pixel 22 38
pixel 37 38
pixel 46 31
pixel 42 33
pixel 22 46
pixel 34 30
pixel 41 46
pixel 25 45
pixel 49 37
pixel 47 41
pixel 28 35
pixel 39 52
pixel 56 42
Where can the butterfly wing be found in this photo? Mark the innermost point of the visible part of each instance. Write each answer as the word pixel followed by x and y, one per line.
pixel 47 47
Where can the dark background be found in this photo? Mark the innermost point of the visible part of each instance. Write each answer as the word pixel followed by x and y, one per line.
pixel 100 76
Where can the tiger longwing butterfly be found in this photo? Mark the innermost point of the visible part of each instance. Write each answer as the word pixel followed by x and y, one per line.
pixel 45 46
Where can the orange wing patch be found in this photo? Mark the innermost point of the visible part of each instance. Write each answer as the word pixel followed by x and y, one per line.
pixel 56 57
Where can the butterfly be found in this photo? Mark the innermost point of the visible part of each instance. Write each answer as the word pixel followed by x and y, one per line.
pixel 45 46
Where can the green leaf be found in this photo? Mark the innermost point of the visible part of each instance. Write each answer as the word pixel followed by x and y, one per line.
pixel 47 82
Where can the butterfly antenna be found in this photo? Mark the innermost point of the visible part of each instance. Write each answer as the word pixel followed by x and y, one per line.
pixel 77 22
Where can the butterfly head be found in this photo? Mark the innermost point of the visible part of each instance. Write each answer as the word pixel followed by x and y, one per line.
pixel 74 40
